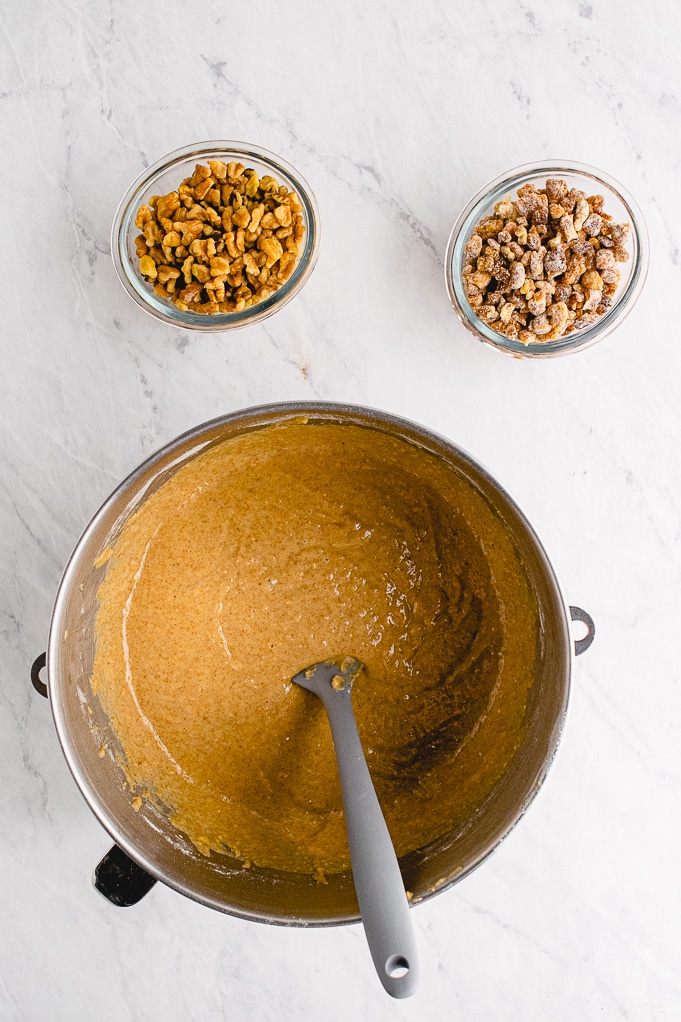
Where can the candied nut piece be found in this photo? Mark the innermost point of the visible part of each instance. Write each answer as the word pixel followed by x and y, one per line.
pixel 480 279
pixel 593 299
pixel 489 227
pixel 618 232
pixel 559 318
pixel 592 279
pixel 536 265
pixel 472 248
pixel 556 190
pixel 567 228
pixel 540 221
pixel 540 325
pixel 555 262
pixel 533 240
pixel 605 259
pixel 505 209
pixel 581 212
pixel 592 225
pixel 507 310
pixel 488 313
pixel 517 278
pixel 231 237
pixel 529 199
pixel 537 303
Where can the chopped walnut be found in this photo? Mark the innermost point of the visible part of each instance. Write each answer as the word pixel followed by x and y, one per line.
pixel 544 265
pixel 225 240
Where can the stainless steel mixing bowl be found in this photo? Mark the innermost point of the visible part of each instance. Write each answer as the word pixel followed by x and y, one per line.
pixel 220 882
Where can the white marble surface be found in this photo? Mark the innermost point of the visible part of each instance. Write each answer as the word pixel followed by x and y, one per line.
pixel 396 113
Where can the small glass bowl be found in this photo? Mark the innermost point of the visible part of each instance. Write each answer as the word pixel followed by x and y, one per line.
pixel 618 204
pixel 165 176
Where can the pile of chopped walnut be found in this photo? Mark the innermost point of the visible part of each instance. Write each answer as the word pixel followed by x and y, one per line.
pixel 544 265
pixel 223 241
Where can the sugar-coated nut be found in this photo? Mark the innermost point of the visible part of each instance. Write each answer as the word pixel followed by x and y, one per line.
pixel 556 189
pixel 592 224
pixel 558 317
pixel 506 312
pixel 581 212
pixel 537 303
pixel 544 265
pixel 488 313
pixel 517 278
pixel 567 228
pixel 540 325
pixel 605 259
pixel 555 262
pixel 593 299
pixel 536 265
pixel 592 279
pixel 230 237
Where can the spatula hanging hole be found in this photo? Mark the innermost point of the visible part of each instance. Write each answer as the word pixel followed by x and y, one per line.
pixel 397 966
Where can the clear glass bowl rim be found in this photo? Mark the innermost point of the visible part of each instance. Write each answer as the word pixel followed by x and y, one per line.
pixel 498 188
pixel 201 151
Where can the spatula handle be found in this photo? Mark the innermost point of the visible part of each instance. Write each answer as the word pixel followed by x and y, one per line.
pixel 376 873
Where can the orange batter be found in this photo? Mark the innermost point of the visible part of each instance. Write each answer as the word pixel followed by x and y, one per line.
pixel 282 547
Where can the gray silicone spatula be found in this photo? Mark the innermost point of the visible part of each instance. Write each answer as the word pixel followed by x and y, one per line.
pixel 378 881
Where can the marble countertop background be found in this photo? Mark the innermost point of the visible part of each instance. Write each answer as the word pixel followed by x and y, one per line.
pixel 396 113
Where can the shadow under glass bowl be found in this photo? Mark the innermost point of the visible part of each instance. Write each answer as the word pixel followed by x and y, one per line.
pixel 165 176
pixel 618 204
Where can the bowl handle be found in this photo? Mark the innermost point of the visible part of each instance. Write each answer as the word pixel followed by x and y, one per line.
pixel 37 666
pixel 117 877
pixel 120 880
pixel 577 614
